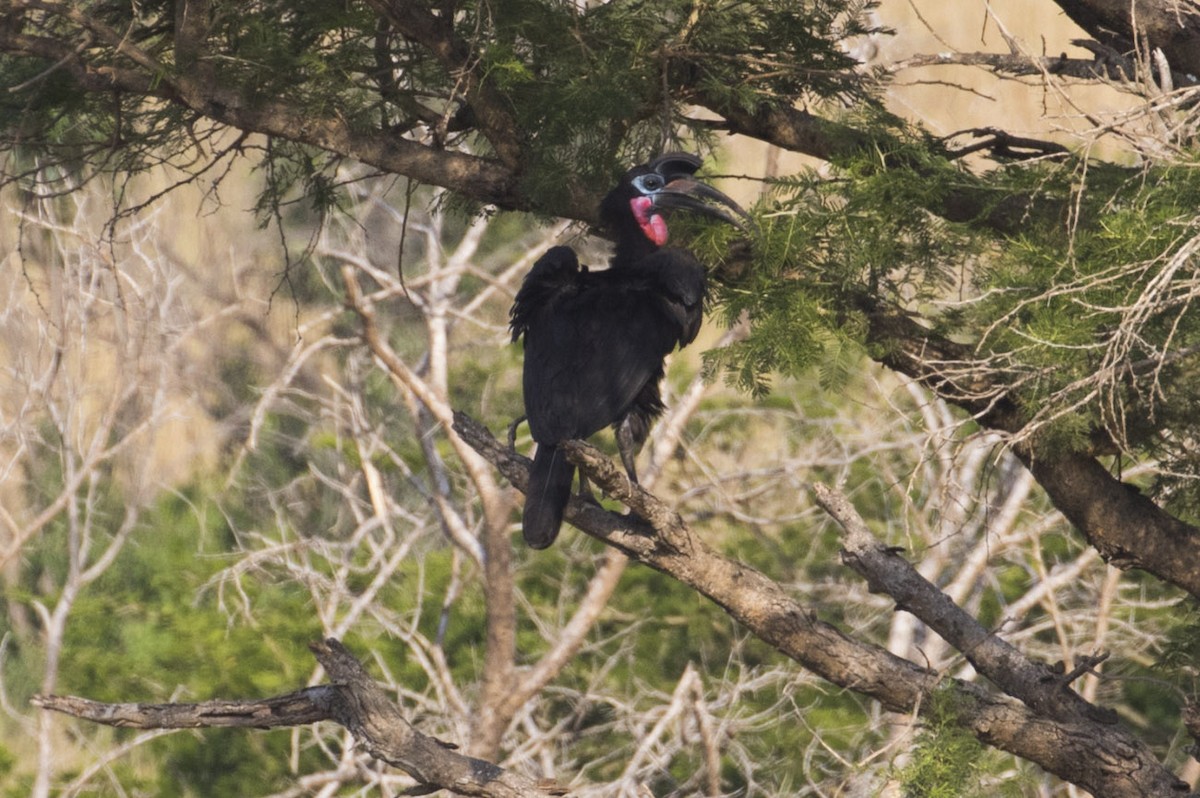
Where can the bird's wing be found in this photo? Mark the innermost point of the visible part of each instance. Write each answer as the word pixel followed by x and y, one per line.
pixel 591 352
pixel 556 272
pixel 681 288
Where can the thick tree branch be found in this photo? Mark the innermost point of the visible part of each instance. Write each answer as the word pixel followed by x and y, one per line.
pixel 1170 25
pixel 799 131
pixel 1034 684
pixel 1097 756
pixel 1127 528
pixel 352 700
pixel 457 57
pixel 484 180
pixel 310 705
pixel 480 179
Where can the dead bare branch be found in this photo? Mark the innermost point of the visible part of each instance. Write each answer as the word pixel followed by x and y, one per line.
pixel 352 700
pixel 1067 745
pixel 886 572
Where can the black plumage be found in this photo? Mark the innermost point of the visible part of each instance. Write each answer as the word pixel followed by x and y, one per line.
pixel 595 341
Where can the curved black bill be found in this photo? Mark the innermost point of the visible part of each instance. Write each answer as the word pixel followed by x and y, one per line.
pixel 687 194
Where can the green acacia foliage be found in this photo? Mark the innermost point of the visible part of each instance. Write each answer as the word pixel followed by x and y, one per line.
pixel 1081 314
pixel 585 91
pixel 945 760
pixel 822 246
pixel 1091 313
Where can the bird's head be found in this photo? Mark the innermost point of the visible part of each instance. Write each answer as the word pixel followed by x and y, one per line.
pixel 635 206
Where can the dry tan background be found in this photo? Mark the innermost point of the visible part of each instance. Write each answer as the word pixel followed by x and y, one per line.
pixel 950 99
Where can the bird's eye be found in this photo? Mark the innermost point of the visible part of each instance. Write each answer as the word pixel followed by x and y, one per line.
pixel 648 183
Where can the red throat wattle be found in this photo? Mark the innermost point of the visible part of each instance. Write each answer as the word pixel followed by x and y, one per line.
pixel 653 226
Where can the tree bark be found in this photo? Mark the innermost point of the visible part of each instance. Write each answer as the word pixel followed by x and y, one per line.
pixel 352 699
pixel 1057 730
pixel 1170 25
pixel 1050 725
pixel 1128 529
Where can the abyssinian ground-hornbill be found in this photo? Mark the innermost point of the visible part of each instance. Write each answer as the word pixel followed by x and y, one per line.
pixel 595 340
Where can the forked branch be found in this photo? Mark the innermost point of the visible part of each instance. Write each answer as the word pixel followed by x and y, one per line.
pixel 1067 736
pixel 1081 745
pixel 352 700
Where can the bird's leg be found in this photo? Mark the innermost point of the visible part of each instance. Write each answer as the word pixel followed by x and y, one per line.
pixel 512 431
pixel 585 490
pixel 631 434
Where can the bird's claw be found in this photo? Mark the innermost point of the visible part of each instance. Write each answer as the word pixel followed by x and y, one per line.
pixel 512 431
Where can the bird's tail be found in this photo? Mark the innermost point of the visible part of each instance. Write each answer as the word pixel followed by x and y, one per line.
pixel 547 496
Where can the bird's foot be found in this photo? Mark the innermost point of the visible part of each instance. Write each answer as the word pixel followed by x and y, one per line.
pixel 591 499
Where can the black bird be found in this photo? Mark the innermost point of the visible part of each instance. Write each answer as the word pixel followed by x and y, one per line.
pixel 595 340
